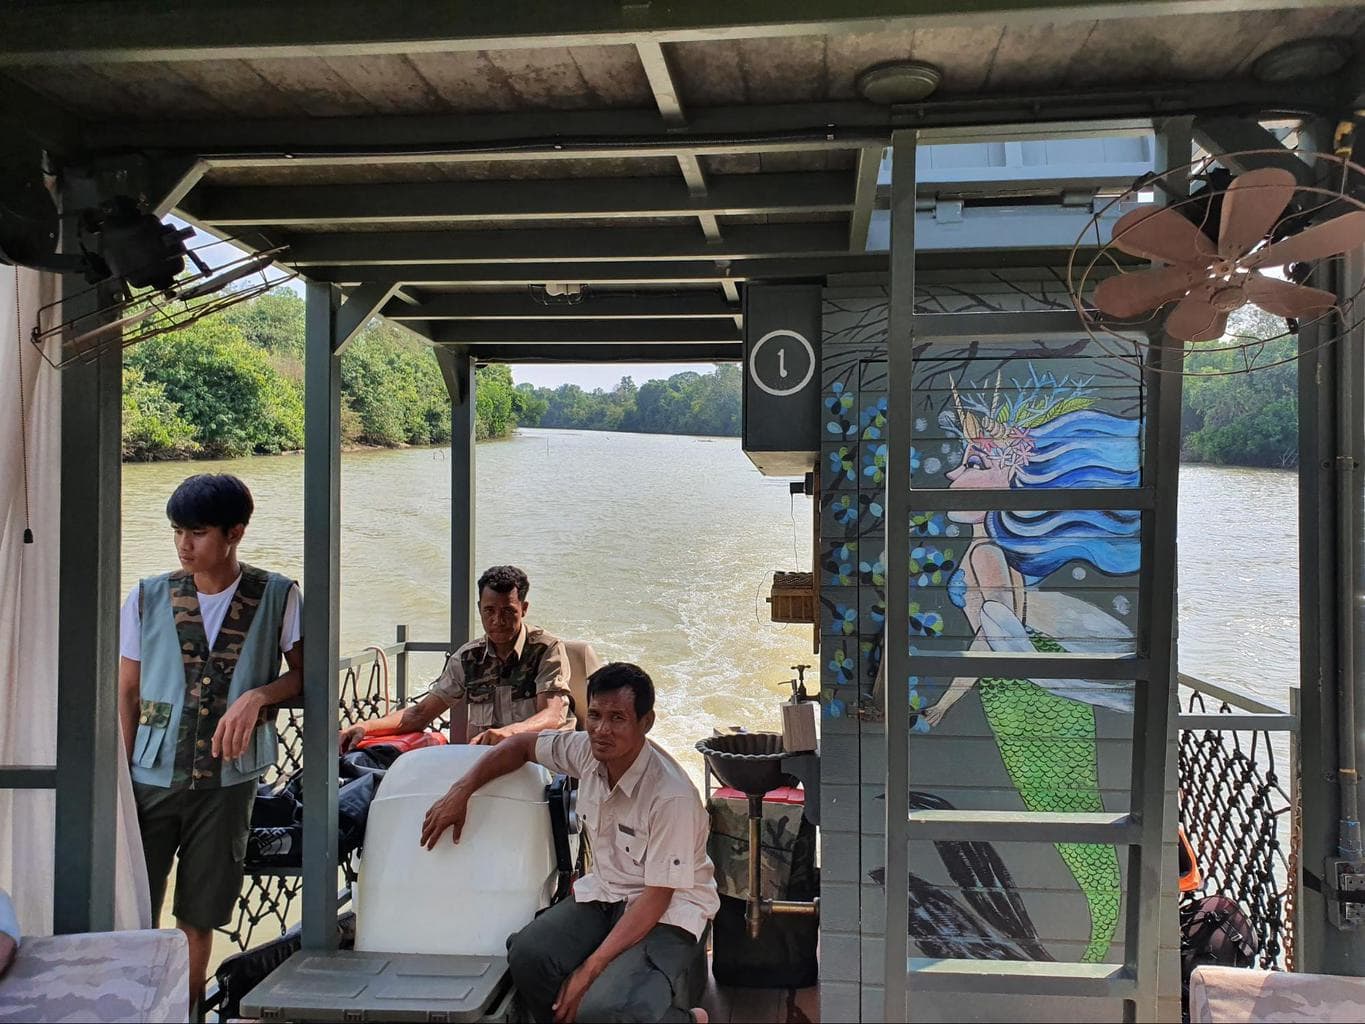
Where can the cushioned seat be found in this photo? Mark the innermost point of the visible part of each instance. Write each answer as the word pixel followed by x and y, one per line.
pixel 583 662
pixel 99 976
pixel 1224 995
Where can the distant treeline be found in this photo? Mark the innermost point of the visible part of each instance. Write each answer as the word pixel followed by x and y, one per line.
pixel 232 385
pixel 686 403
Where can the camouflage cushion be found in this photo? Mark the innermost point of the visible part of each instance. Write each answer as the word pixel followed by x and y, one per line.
pixel 1228 994
pixel 99 976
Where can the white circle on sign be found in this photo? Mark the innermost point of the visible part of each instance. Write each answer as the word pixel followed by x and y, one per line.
pixel 782 332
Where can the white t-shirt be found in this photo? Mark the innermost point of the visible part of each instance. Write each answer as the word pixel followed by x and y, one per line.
pixel 213 609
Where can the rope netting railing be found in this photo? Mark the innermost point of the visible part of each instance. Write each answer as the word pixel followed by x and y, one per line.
pixel 1239 819
pixel 267 905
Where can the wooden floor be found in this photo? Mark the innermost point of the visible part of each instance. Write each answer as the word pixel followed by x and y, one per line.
pixel 730 1005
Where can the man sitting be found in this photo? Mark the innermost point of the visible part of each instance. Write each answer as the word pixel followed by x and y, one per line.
pixel 513 679
pixel 622 945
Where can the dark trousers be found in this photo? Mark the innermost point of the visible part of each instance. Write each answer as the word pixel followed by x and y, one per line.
pixel 638 986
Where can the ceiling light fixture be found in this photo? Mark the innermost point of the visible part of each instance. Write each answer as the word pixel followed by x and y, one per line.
pixel 900 81
pixel 1302 59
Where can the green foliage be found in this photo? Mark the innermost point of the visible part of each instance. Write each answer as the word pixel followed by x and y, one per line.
pixel 1243 418
pixel 686 403
pixel 225 387
pixel 152 425
pixel 232 385
pixel 393 385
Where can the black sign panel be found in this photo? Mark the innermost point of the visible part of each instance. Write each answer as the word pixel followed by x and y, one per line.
pixel 782 378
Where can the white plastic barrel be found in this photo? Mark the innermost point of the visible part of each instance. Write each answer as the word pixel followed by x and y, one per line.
pixel 462 898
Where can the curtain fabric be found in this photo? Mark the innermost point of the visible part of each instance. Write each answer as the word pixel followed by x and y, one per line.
pixel 28 622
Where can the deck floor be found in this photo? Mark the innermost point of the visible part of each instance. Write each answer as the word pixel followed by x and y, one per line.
pixel 731 1005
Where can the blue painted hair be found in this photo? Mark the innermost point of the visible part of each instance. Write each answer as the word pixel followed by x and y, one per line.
pixel 1077 449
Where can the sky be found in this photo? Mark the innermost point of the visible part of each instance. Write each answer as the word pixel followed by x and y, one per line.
pixel 588 376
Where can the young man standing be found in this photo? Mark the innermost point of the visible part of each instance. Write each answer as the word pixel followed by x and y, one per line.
pixel 199 671
pixel 620 948
pixel 513 679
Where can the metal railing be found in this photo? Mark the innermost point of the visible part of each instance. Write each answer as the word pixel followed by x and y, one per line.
pixel 1239 807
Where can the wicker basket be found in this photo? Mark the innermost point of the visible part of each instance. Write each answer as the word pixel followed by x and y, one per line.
pixel 793 597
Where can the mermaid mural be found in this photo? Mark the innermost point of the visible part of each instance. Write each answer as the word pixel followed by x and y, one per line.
pixel 1047 435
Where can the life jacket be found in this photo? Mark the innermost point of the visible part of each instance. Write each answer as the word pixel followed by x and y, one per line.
pixel 1190 877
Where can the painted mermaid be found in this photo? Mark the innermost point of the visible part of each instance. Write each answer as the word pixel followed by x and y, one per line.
pixel 1048 436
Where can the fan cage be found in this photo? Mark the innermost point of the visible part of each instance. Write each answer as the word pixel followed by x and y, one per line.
pixel 138 314
pixel 1091 256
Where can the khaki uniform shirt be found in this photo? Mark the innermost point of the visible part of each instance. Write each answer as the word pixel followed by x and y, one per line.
pixel 498 692
pixel 649 829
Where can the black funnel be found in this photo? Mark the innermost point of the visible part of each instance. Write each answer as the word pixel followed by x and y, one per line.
pixel 749 762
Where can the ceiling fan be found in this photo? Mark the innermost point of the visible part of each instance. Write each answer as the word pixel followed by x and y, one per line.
pixel 1247 259
pixel 149 281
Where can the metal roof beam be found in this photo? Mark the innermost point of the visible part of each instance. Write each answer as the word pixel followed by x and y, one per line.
pixel 478 201
pixel 693 305
pixel 707 352
pixel 633 134
pixel 659 272
pixel 586 332
pixel 865 195
pixel 1223 135
pixel 150 30
pixel 569 246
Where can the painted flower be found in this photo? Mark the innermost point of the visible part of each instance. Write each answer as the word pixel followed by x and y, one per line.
pixel 874 573
pixel 834 708
pixel 873 420
pixel 845 509
pixel 845 619
pixel 930 566
pixel 926 623
pixel 914 459
pixel 840 564
pixel 878 612
pixel 841 463
pixel 840 400
pixel 874 463
pixel 928 524
pixel 842 667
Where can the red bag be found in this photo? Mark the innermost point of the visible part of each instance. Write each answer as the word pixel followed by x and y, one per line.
pixel 404 741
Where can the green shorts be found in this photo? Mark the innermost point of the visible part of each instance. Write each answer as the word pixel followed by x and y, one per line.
pixel 208 829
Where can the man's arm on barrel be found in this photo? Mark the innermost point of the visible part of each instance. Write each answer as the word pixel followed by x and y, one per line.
pixel 449 811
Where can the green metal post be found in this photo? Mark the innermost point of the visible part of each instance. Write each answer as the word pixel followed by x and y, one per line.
pixel 896 650
pixel 87 659
pixel 321 620
pixel 457 366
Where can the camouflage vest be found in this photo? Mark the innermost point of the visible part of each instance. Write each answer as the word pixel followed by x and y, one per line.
pixel 497 692
pixel 187 688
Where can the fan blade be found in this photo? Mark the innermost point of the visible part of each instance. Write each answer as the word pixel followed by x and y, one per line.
pixel 1195 319
pixel 1331 238
pixel 1129 295
pixel 1160 233
pixel 1285 298
pixel 226 278
pixel 1251 205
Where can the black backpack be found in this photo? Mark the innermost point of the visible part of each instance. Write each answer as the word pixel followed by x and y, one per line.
pixel 1213 930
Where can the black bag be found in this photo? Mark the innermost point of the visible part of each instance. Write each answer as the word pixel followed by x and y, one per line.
pixel 1216 931
pixel 276 837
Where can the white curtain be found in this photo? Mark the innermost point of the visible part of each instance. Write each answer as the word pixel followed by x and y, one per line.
pixel 28 621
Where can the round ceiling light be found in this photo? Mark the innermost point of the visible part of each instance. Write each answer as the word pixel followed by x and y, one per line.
pixel 1301 59
pixel 901 81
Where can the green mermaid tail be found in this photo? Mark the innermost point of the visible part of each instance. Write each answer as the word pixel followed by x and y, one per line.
pixel 1048 745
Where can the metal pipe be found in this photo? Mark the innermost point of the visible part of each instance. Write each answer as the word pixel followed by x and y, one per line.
pixel 810 908
pixel 1348 562
pixel 756 907
pixel 754 911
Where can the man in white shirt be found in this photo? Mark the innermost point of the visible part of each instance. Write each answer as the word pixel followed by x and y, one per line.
pixel 622 945
pixel 199 671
